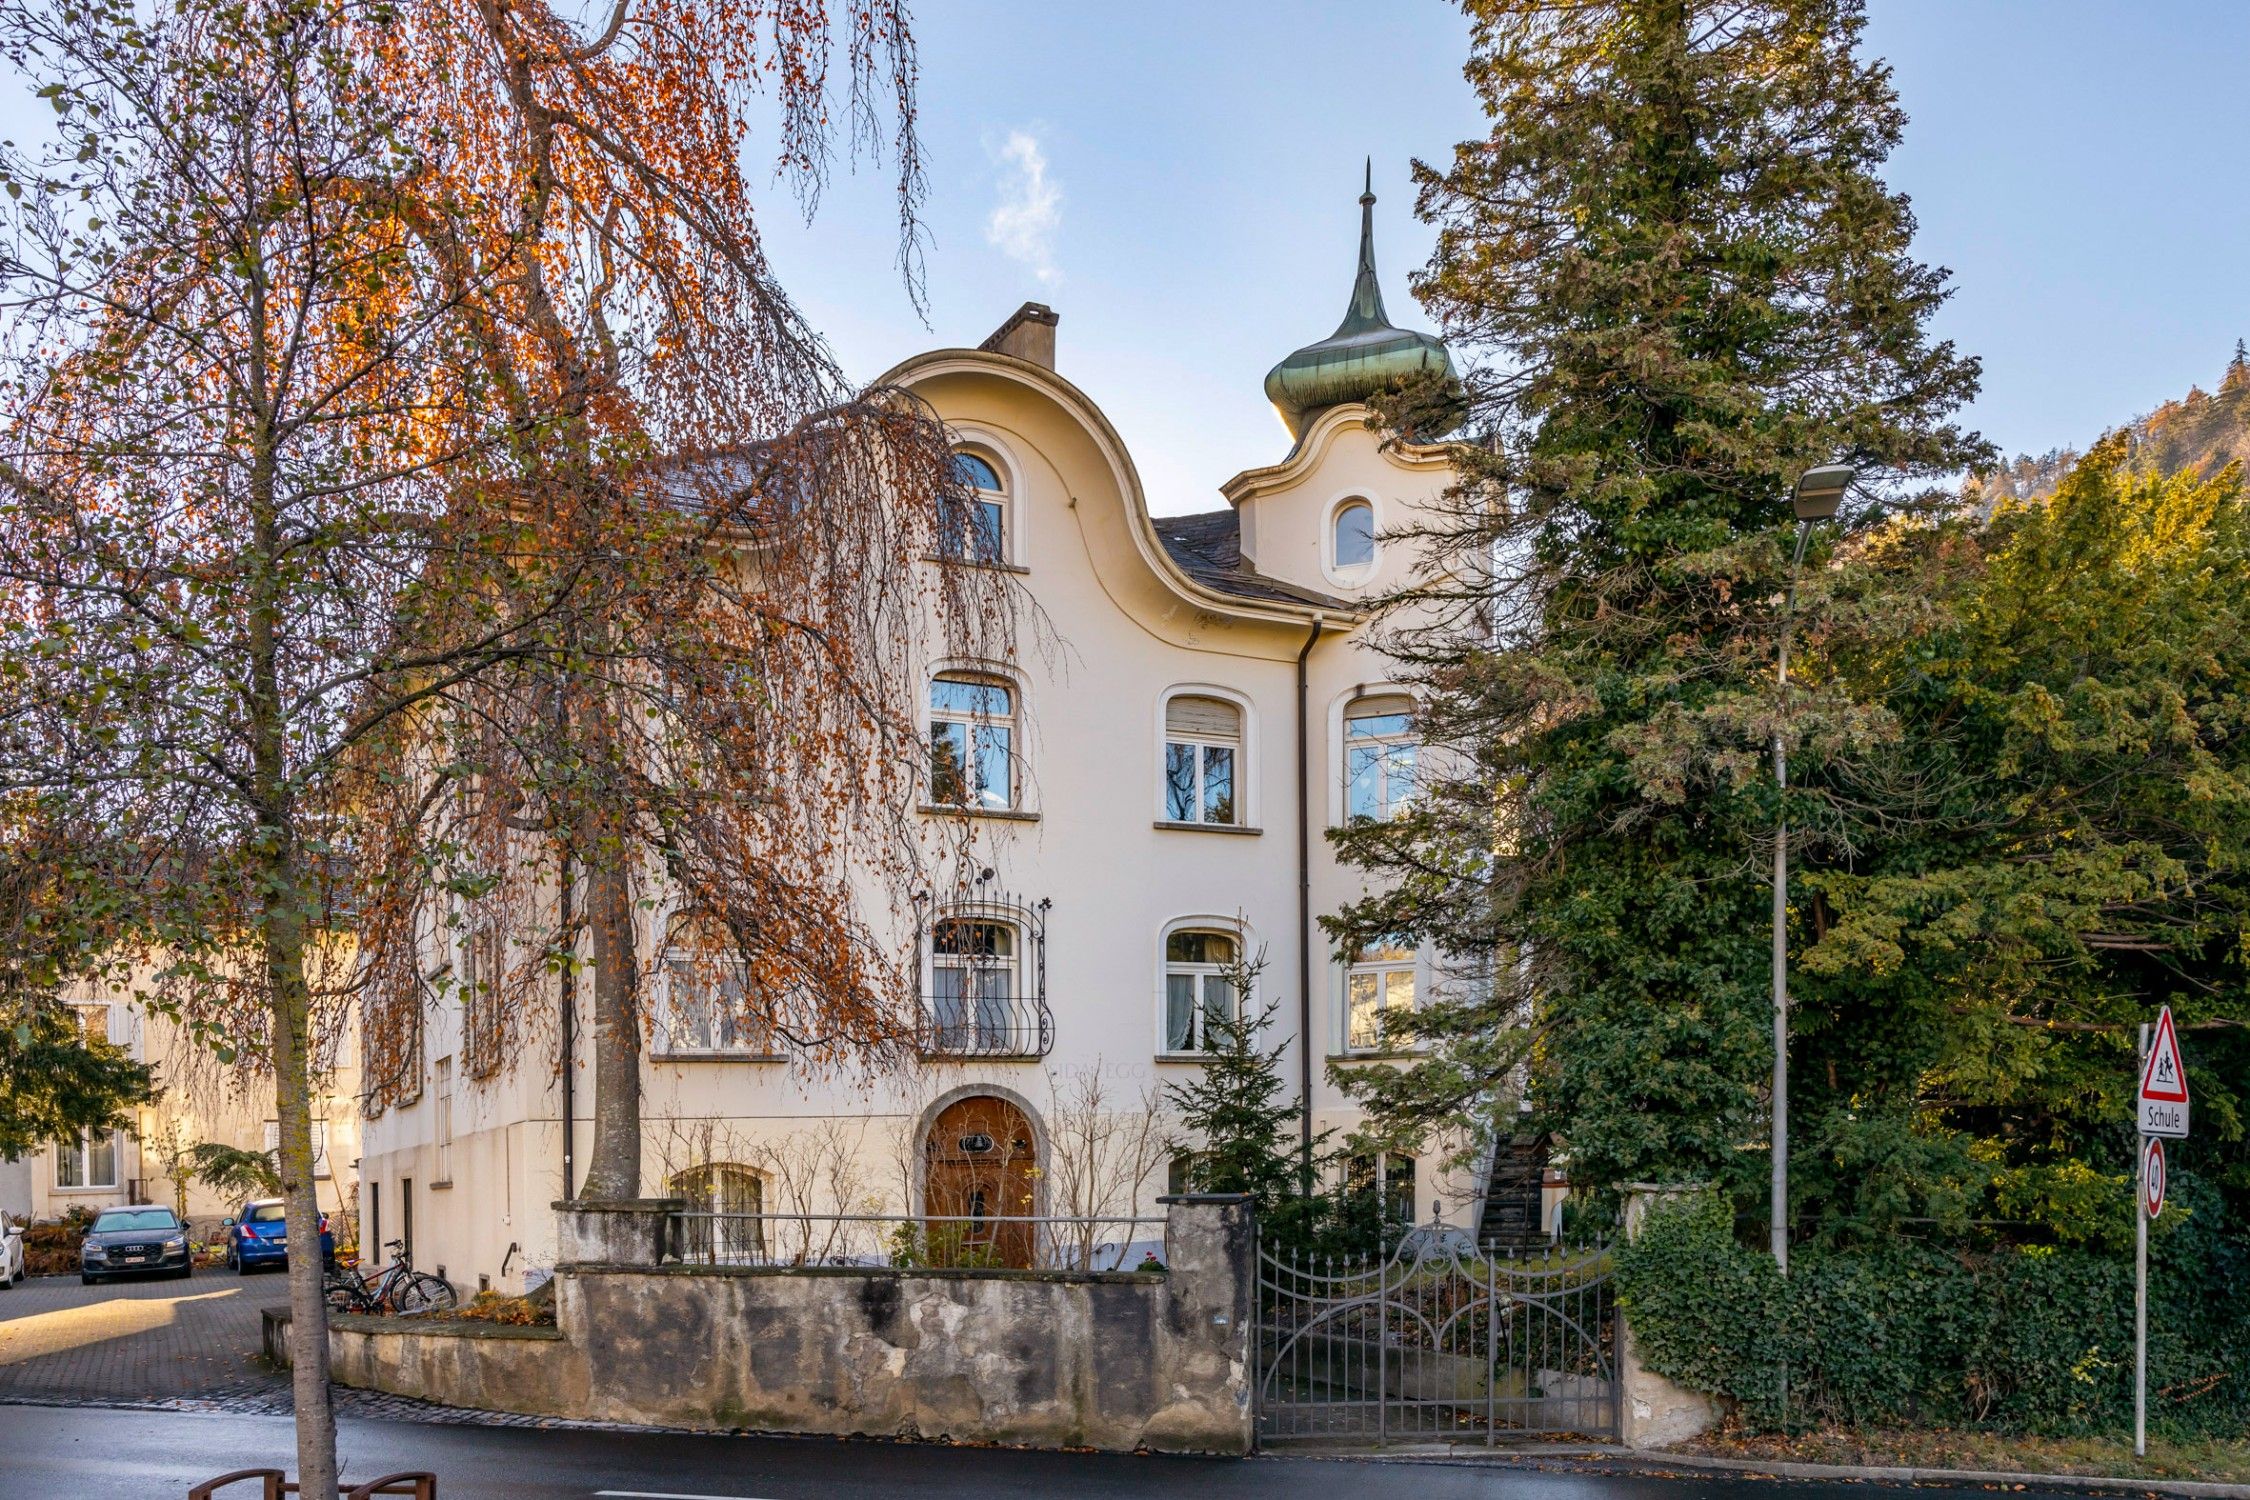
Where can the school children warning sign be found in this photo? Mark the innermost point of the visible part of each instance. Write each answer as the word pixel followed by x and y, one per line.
pixel 2164 1090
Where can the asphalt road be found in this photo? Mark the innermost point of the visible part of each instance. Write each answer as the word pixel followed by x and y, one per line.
pixel 100 1454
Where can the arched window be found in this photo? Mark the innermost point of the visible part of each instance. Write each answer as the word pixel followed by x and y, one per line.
pixel 1379 985
pixel 972 741
pixel 1353 533
pixel 975 981
pixel 1379 755
pixel 973 527
pixel 704 1003
pixel 1200 969
pixel 1202 757
pixel 725 1204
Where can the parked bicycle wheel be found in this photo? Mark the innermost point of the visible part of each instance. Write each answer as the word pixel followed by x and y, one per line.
pixel 421 1293
pixel 345 1291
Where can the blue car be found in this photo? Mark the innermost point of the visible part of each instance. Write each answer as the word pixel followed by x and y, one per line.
pixel 259 1236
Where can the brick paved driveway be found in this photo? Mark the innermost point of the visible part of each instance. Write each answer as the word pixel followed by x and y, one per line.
pixel 134 1340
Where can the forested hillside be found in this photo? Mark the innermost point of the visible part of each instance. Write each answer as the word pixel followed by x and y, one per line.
pixel 2200 431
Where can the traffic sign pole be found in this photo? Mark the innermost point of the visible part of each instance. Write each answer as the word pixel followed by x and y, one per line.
pixel 2140 1282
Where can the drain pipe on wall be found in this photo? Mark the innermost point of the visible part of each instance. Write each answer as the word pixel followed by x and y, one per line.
pixel 569 1028
pixel 1304 912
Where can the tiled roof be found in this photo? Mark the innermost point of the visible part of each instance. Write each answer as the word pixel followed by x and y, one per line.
pixel 1208 548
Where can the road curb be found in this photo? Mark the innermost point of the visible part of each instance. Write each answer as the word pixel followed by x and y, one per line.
pixel 2194 1489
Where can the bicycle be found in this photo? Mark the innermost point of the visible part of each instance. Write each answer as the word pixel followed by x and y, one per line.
pixel 399 1289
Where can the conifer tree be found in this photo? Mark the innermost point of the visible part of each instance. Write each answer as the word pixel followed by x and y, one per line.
pixel 1688 283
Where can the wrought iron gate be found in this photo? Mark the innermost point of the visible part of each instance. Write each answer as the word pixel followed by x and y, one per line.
pixel 1440 1340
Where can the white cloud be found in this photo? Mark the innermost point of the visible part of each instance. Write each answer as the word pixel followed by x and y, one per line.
pixel 1024 221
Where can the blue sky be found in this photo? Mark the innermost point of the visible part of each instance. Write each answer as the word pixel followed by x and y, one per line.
pixel 2077 165
pixel 1178 180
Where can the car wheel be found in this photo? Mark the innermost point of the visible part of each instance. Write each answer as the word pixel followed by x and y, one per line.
pixel 184 1272
pixel 85 1280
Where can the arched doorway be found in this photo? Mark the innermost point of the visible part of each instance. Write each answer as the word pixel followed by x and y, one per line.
pixel 982 1166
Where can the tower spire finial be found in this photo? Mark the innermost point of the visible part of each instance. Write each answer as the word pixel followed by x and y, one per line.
pixel 1366 310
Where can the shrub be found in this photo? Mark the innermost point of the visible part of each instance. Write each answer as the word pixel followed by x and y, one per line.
pixel 2036 1339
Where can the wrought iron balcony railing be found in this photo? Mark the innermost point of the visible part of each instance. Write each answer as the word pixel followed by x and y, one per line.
pixel 986 1025
pixel 984 989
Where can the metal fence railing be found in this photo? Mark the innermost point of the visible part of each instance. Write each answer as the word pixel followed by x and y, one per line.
pixel 1440 1339
pixel 926 1242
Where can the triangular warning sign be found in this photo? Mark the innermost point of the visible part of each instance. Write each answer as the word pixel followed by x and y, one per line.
pixel 2164 1078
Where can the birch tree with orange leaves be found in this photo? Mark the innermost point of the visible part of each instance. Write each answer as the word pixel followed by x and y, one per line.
pixel 410 460
pixel 739 740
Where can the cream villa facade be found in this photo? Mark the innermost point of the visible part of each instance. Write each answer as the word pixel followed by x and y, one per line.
pixel 1143 798
pixel 199 1101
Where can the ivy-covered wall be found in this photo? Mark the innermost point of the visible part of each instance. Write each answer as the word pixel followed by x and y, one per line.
pixel 2027 1338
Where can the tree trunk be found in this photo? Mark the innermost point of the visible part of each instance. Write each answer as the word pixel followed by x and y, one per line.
pixel 308 1306
pixel 614 1170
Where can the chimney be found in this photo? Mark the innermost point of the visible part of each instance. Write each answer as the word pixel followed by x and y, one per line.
pixel 1028 334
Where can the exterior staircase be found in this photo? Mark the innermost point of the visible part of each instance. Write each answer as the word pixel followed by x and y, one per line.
pixel 1511 1193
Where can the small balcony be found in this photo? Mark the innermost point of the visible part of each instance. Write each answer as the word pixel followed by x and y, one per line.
pixel 991 1024
pixel 984 976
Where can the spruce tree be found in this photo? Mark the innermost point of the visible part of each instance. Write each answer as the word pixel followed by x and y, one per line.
pixel 1682 282
pixel 1240 1119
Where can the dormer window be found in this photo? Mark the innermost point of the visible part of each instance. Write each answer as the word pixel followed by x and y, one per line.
pixel 1353 537
pixel 973 526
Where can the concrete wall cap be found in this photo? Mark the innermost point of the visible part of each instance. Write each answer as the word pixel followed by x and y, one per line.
pixel 619 1205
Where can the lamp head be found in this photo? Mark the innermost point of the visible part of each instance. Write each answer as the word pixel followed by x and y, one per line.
pixel 1821 489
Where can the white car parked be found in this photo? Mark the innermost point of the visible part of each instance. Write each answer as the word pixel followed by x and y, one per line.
pixel 11 1251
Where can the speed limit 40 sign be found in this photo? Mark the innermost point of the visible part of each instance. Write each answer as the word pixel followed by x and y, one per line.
pixel 2152 1176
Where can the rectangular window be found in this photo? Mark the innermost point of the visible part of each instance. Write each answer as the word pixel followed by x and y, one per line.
pixel 1389 1177
pixel 90 1161
pixel 483 954
pixel 1379 758
pixel 707 1005
pixel 972 743
pixel 320 1146
pixel 442 1075
pixel 1379 984
pixel 1202 742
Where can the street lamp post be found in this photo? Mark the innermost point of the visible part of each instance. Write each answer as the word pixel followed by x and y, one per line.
pixel 1819 491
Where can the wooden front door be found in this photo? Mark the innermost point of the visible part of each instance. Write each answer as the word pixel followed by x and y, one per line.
pixel 982 1167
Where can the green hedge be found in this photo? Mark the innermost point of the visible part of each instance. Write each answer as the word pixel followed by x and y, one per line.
pixel 2030 1339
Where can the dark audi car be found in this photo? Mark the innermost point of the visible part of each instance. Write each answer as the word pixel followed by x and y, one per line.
pixel 134 1242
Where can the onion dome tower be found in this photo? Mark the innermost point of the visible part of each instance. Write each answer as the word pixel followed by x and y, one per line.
pixel 1365 353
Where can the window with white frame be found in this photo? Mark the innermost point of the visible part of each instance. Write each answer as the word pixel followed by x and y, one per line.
pixel 1388 1177
pixel 1352 536
pixel 90 1161
pixel 735 1196
pixel 1378 986
pixel 973 526
pixel 1202 760
pixel 1200 968
pixel 706 1003
pixel 975 982
pixel 320 1146
pixel 1379 756
pixel 972 741
pixel 441 1077
pixel 97 1021
pixel 483 958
